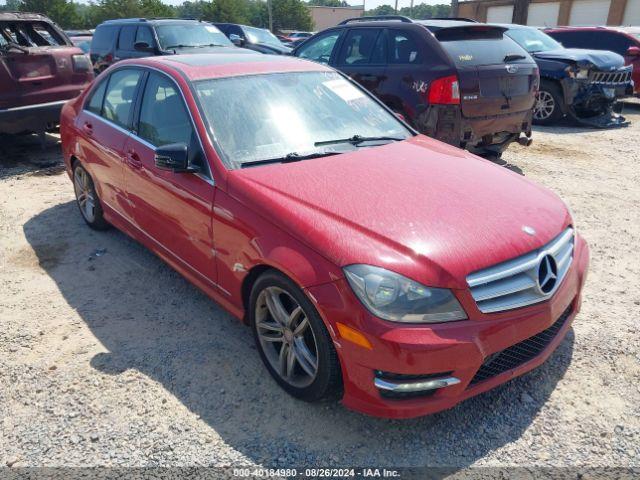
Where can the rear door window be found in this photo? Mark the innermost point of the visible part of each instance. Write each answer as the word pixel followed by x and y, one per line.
pixel 119 96
pixel 103 38
pixel 320 48
pixel 94 105
pixel 403 48
pixel 359 46
pixel 468 46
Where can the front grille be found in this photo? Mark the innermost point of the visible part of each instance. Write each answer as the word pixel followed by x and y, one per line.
pixel 617 77
pixel 523 281
pixel 520 353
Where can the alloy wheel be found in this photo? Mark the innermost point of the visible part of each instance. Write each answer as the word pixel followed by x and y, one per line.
pixel 544 106
pixel 286 337
pixel 84 194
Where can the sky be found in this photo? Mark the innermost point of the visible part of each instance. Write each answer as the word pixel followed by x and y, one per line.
pixel 369 4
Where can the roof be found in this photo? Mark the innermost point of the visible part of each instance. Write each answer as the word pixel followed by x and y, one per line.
pixel 24 16
pixel 625 29
pixel 149 20
pixel 201 66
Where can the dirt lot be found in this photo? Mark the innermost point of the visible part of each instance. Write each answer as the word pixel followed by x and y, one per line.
pixel 108 357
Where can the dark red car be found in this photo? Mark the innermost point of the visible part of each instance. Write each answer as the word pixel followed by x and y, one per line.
pixel 40 69
pixel 360 252
pixel 624 41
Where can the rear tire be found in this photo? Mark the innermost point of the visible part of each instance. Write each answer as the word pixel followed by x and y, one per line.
pixel 87 199
pixel 549 104
pixel 293 342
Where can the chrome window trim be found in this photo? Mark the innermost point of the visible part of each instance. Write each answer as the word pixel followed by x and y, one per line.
pixel 208 176
pixel 514 283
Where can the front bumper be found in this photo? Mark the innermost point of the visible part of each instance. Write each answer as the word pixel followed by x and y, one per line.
pixel 451 350
pixel 30 118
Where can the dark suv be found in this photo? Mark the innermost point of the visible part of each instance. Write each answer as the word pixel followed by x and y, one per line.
pixel 253 38
pixel 116 40
pixel 461 82
pixel 40 70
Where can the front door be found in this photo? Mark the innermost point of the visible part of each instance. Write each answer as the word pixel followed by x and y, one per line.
pixel 172 210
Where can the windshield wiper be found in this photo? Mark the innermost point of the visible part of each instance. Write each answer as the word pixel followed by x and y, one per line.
pixel 510 57
pixel 210 45
pixel 173 47
pixel 288 158
pixel 357 139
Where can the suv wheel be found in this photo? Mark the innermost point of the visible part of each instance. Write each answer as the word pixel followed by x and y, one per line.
pixel 293 342
pixel 548 106
pixel 87 199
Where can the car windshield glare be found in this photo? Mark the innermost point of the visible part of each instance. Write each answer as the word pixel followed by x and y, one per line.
pixel 270 116
pixel 259 35
pixel 191 35
pixel 533 40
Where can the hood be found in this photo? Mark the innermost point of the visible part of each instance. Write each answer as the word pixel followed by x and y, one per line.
pixel 223 49
pixel 271 48
pixel 426 210
pixel 602 59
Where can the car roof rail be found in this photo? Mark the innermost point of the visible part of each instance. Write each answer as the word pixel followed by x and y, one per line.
pixel 377 18
pixel 459 19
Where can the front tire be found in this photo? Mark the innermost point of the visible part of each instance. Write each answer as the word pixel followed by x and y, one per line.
pixel 293 342
pixel 87 199
pixel 549 104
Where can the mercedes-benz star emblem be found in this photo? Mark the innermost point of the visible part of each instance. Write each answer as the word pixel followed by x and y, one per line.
pixel 528 230
pixel 547 274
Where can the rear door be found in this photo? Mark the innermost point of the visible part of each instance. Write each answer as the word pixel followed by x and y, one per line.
pixel 106 123
pixel 363 55
pixel 496 76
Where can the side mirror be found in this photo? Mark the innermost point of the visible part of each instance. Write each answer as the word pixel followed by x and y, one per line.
pixel 236 40
pixel 633 51
pixel 173 157
pixel 142 47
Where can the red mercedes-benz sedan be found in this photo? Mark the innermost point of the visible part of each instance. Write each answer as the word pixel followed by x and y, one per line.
pixel 372 263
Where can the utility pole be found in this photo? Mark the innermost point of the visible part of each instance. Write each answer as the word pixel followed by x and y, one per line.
pixel 411 9
pixel 396 7
pixel 454 8
pixel 270 16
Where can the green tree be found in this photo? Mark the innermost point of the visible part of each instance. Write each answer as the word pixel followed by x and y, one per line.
pixel 155 8
pixel 328 3
pixel 62 12
pixel 232 11
pixel 291 15
pixel 381 10
pixel 196 9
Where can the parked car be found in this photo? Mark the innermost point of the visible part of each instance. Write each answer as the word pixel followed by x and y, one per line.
pixel 39 71
pixel 120 39
pixel 581 84
pixel 253 38
pixel 370 261
pixel 461 82
pixel 294 36
pixel 624 41
pixel 83 43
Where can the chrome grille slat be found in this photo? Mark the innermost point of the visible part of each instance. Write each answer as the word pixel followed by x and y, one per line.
pixel 514 283
pixel 618 77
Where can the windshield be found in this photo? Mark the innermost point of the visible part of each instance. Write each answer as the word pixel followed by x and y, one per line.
pixel 258 35
pixel 261 117
pixel 533 40
pixel 190 35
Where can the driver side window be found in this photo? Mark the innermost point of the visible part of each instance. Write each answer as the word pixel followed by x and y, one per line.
pixel 319 50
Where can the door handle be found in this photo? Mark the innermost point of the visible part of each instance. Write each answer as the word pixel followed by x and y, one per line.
pixel 87 127
pixel 133 159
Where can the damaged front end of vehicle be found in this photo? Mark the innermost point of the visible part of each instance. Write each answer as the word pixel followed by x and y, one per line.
pixel 591 93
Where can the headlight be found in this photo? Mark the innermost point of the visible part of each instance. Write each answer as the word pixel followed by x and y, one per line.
pixel 391 296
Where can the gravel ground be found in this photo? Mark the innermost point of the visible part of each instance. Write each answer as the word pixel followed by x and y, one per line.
pixel 108 357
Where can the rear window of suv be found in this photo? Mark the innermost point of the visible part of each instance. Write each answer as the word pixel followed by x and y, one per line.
pixel 473 46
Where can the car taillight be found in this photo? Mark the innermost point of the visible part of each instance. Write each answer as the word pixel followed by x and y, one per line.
pixel 81 63
pixel 445 90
